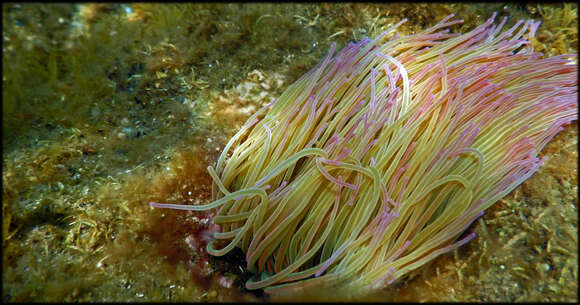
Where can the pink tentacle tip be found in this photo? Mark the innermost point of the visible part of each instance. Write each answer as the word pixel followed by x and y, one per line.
pixel 159 205
pixel 270 104
pixel 470 237
pixel 251 123
pixel 344 153
pixel 479 214
pixel 326 161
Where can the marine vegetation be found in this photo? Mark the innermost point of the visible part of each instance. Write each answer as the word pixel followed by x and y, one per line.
pixel 379 159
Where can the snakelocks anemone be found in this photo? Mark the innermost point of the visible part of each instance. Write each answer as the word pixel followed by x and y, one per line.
pixel 377 160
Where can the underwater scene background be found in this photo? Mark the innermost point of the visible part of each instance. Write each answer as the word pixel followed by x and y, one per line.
pixel 107 107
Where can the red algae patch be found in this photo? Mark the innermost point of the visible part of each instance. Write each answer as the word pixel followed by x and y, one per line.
pixel 172 244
